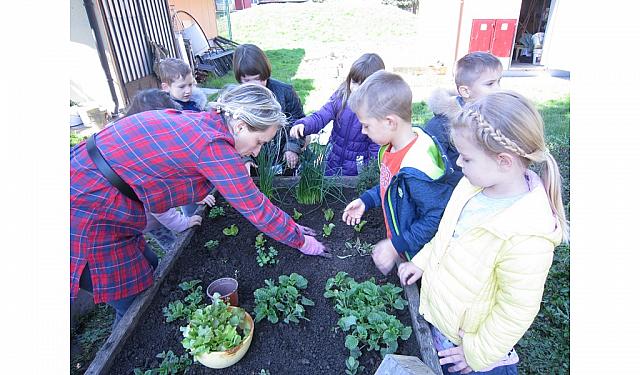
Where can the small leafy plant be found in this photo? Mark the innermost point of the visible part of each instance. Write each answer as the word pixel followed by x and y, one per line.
pixel 216 211
pixel 283 301
pixel 231 231
pixel 358 227
pixel 171 364
pixel 362 248
pixel 327 229
pixel 365 309
pixel 214 328
pixel 296 215
pixel 182 309
pixel 328 214
pixel 211 244
pixel 264 256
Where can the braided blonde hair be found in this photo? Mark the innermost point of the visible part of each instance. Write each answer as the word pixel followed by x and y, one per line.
pixel 251 103
pixel 507 121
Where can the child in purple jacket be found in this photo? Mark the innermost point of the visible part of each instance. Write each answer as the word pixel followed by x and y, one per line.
pixel 348 144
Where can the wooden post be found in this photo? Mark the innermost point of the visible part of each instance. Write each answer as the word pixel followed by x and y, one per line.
pixel 422 330
pixel 394 364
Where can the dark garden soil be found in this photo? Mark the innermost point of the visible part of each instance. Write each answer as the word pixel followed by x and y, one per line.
pixel 311 347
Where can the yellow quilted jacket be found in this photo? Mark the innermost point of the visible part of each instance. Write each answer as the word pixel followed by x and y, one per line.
pixel 488 282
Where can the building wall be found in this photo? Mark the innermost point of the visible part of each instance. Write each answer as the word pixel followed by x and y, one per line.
pixel 440 25
pixel 204 11
pixel 88 81
pixel 557 47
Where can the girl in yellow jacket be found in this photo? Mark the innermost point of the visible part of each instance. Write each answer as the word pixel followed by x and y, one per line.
pixel 485 269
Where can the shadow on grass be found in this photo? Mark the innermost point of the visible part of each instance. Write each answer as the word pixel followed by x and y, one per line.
pixel 284 65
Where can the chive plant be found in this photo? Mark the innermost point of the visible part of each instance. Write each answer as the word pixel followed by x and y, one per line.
pixel 266 161
pixel 312 187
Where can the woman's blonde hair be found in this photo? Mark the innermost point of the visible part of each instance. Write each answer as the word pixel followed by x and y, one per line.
pixel 507 121
pixel 251 103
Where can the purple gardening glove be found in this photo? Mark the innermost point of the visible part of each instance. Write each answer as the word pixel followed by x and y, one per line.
pixel 312 246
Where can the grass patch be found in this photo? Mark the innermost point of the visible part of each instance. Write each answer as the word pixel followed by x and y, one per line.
pixel 420 113
pixel 544 349
pixel 91 332
pixel 284 66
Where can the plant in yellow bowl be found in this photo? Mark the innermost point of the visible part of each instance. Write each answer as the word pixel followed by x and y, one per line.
pixel 218 335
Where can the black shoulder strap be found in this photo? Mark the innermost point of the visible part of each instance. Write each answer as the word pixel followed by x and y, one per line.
pixel 106 170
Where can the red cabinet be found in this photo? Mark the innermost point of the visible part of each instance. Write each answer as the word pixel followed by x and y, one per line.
pixel 243 4
pixel 493 35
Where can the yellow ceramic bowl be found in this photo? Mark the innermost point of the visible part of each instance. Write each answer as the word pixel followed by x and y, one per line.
pixel 231 356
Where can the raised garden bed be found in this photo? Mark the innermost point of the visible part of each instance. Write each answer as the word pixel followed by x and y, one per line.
pixel 310 347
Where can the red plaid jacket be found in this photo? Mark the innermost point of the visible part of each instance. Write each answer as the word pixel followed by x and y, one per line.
pixel 169 158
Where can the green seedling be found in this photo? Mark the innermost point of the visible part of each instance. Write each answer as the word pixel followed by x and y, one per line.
pixel 366 316
pixel 189 285
pixel 211 244
pixel 265 257
pixel 230 324
pixel 296 215
pixel 216 211
pixel 328 214
pixel 171 364
pixel 353 365
pixel 230 231
pixel 182 309
pixel 358 227
pixel 283 301
pixel 362 248
pixel 327 229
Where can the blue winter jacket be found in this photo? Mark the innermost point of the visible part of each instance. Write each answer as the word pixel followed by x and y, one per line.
pixel 446 106
pixel 417 195
pixel 347 141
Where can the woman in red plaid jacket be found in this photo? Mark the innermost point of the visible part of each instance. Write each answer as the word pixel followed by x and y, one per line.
pixel 169 159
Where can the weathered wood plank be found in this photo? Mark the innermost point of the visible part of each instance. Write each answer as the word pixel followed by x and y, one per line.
pixel 395 364
pixel 110 349
pixel 290 181
pixel 422 330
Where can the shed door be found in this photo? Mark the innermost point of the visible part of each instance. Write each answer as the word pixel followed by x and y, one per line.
pixel 502 44
pixel 481 35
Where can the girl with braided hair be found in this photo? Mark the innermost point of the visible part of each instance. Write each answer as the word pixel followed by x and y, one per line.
pixel 485 269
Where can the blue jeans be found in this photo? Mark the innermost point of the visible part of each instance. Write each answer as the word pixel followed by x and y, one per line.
pixel 120 305
pixel 501 370
pixel 189 209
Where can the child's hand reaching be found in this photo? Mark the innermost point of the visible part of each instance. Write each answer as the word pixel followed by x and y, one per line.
pixel 291 158
pixel 209 200
pixel 353 212
pixel 409 273
pixel 297 131
pixel 456 357
pixel 195 220
pixel 385 256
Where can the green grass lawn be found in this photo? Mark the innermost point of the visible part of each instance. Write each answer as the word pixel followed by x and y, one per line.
pixel 544 349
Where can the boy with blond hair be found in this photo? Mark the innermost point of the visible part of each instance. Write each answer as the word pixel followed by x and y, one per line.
pixel 476 75
pixel 176 78
pixel 414 176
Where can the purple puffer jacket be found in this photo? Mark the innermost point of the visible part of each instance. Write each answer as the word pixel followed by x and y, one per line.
pixel 347 141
